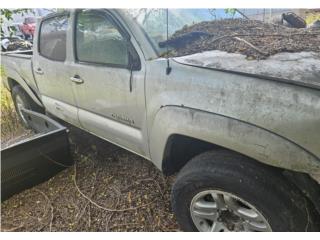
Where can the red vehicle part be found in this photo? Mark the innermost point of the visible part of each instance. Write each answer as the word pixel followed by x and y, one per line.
pixel 28 27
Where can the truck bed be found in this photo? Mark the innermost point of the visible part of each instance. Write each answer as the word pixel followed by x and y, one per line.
pixel 19 63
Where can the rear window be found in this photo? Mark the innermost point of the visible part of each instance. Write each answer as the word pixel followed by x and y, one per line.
pixel 52 39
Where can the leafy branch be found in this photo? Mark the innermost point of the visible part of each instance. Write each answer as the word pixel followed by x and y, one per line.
pixel 7 15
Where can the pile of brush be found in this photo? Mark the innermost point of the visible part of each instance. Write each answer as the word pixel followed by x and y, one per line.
pixel 255 39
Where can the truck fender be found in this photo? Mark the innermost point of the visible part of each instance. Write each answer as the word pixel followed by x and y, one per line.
pixel 15 77
pixel 242 137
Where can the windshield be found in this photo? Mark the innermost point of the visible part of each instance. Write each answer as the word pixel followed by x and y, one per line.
pixel 255 33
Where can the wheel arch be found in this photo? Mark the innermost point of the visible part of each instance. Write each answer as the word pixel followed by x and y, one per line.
pixel 13 82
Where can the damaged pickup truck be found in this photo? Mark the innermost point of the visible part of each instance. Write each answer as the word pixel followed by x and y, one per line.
pixel 243 135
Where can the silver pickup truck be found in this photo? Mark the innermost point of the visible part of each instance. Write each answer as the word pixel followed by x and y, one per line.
pixel 242 136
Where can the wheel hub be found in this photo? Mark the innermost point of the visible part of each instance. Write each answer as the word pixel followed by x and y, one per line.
pixel 231 220
pixel 218 211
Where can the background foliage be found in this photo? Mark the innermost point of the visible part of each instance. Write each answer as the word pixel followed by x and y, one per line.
pixel 7 14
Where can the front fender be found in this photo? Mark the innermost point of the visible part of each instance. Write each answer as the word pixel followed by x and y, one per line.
pixel 250 140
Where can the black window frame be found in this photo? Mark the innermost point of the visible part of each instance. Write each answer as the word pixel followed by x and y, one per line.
pixel 48 17
pixel 124 34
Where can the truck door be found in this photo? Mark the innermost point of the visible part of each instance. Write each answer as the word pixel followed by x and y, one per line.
pixel 108 80
pixel 51 68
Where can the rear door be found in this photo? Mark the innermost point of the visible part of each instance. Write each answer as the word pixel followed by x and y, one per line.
pixel 51 68
pixel 108 80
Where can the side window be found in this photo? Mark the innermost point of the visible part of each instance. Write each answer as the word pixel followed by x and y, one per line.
pixel 98 40
pixel 52 39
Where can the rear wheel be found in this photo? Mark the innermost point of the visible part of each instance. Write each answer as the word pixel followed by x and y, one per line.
pixel 223 191
pixel 22 100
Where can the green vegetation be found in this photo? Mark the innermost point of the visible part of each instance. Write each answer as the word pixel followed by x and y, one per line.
pixel 6 14
pixel 310 18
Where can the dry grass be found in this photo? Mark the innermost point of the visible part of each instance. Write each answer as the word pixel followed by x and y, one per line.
pixel 10 125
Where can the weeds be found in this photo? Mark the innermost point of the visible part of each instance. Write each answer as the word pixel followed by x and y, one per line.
pixel 10 125
pixel 310 18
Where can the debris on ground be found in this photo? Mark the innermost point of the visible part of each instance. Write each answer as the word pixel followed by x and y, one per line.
pixel 15 44
pixel 294 20
pixel 108 189
pixel 253 38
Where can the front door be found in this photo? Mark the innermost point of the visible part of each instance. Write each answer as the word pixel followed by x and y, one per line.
pixel 108 81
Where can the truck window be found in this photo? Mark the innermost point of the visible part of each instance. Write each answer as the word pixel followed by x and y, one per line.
pixel 98 39
pixel 52 38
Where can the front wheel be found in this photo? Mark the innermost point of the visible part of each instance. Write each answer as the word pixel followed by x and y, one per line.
pixel 223 191
pixel 220 211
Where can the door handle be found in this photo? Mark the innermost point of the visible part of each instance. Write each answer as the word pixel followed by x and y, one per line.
pixel 76 79
pixel 38 71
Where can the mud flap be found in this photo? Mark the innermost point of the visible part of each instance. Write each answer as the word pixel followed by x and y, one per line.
pixel 34 160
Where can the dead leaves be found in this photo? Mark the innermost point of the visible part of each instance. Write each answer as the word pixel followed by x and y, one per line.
pixel 108 178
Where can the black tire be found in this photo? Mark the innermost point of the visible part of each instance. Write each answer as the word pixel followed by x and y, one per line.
pixel 280 202
pixel 28 103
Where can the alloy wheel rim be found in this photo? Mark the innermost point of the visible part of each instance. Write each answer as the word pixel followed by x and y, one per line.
pixel 219 211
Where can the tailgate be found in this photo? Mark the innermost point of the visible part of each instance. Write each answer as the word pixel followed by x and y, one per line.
pixel 36 159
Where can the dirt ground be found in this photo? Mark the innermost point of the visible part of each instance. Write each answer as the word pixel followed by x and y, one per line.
pixel 108 189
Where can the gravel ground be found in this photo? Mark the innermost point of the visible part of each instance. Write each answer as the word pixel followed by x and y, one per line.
pixel 113 190
pixel 255 39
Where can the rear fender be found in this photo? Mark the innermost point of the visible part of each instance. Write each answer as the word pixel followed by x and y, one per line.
pixel 15 78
